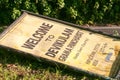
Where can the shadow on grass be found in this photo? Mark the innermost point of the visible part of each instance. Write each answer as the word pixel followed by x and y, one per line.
pixel 12 57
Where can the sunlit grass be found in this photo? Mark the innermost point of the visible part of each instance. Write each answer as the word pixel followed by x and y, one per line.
pixel 19 67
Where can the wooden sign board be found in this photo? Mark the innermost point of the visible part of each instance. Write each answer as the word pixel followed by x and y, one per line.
pixel 64 43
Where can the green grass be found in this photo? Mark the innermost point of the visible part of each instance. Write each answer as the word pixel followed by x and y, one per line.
pixel 14 66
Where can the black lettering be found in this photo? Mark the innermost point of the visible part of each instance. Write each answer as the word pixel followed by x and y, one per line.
pixel 70 46
pixel 88 61
pixel 46 26
pixel 62 57
pixel 65 54
pixel 30 43
pixel 50 37
pixel 29 46
pixel 75 39
pixel 95 62
pixel 51 52
pixel 91 56
pixel 67 32
pixel 37 36
pixel 59 43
